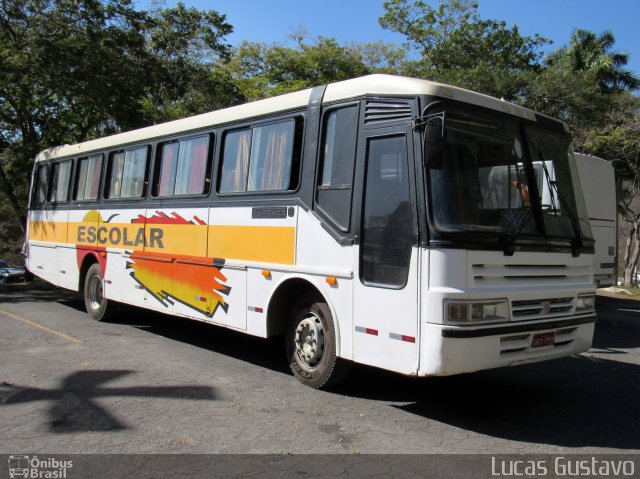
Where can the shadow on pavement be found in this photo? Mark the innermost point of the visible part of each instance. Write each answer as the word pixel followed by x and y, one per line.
pixel 73 408
pixel 580 401
pixel 266 353
pixel 29 295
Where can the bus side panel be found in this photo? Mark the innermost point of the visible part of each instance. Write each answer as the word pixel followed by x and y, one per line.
pixel 386 323
pixel 259 289
pixel 66 265
pixel 316 248
pixel 253 234
pixel 226 299
pixel 240 235
pixel 119 238
pixel 47 231
pixel 176 242
pixel 43 261
pixel 68 273
pixel 34 236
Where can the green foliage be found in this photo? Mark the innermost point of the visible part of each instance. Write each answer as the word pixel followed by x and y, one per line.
pixel 185 47
pixel 457 47
pixel 267 70
pixel 591 53
pixel 586 85
pixel 71 70
pixel 618 135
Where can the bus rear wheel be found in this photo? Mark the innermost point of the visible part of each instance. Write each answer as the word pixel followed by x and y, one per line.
pixel 98 307
pixel 310 343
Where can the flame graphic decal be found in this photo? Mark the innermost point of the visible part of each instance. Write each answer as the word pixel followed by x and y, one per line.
pixel 193 281
pixel 161 218
pixel 98 252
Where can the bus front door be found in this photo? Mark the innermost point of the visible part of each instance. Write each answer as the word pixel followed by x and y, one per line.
pixel 386 282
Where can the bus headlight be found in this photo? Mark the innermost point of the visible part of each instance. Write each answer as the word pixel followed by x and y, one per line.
pixel 585 302
pixel 473 312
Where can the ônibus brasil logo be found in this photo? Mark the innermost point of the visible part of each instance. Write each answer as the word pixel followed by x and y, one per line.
pixel 33 467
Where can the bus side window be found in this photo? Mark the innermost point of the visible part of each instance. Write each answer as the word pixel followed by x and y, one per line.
pixel 88 178
pixel 183 168
pixel 335 175
pixel 41 186
pixel 235 161
pixel 261 158
pixel 127 173
pixel 60 178
pixel 271 157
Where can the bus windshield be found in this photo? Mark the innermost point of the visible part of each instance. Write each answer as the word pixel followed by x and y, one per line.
pixel 492 167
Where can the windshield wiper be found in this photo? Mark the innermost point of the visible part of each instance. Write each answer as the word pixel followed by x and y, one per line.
pixel 549 187
pixel 508 240
pixel 576 243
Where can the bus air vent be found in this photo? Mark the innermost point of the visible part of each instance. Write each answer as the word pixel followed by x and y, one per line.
pixel 379 111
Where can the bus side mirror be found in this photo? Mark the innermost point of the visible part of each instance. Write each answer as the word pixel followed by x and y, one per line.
pixel 433 144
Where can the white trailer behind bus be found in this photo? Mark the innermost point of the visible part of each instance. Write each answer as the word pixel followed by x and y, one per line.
pixel 598 184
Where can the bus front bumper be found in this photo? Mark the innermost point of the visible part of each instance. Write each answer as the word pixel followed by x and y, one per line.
pixel 455 350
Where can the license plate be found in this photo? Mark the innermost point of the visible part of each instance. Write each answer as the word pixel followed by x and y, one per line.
pixel 541 340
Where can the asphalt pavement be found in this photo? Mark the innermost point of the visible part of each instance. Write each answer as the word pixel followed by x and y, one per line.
pixel 149 383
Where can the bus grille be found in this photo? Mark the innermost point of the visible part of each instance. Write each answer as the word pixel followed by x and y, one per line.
pixel 540 308
pixel 529 275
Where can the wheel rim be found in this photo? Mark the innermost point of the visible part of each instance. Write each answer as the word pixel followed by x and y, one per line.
pixel 95 292
pixel 309 341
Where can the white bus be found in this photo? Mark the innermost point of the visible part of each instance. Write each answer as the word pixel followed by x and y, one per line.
pixel 383 220
pixel 598 183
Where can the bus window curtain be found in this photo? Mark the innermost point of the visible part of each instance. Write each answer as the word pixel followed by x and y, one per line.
pixel 277 161
pixel 133 175
pixel 242 162
pixel 270 166
pixel 198 165
pixel 168 169
pixel 117 167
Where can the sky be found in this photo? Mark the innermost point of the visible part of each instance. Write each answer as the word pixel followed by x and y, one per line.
pixel 357 20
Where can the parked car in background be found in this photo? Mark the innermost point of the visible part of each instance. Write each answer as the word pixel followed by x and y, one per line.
pixel 10 274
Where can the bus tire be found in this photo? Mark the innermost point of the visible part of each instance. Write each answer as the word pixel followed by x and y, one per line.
pixel 98 307
pixel 310 343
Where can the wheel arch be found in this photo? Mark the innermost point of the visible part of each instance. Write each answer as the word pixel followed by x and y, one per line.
pixel 283 297
pixel 89 259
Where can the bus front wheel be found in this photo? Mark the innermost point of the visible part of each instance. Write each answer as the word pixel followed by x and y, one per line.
pixel 311 344
pixel 98 307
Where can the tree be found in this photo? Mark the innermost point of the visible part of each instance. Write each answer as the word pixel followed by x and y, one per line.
pixel 582 83
pixel 585 84
pixel 588 52
pixel 272 69
pixel 186 51
pixel 618 138
pixel 457 47
pixel 71 70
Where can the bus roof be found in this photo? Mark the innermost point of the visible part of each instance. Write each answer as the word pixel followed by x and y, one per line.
pixel 377 84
